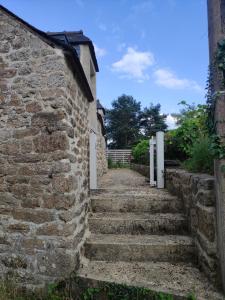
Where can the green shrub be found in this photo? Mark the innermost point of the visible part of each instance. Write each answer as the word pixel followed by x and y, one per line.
pixel 201 157
pixel 110 163
pixel 141 152
pixel 117 165
pixel 172 146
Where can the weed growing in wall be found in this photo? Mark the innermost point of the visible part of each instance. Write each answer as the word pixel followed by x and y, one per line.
pixel 78 291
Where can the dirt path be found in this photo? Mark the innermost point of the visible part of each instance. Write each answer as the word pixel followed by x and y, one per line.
pixel 123 179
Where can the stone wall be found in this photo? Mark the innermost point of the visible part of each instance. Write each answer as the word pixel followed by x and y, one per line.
pixel 43 159
pixel 102 165
pixel 216 33
pixel 197 191
pixel 142 169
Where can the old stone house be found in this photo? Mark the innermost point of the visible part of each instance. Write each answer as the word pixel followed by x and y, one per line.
pixel 50 144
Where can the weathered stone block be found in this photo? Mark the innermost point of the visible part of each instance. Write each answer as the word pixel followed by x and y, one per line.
pixel 207 183
pixel 31 202
pixel 64 184
pixel 58 201
pixel 206 197
pixel 15 262
pixel 209 265
pixel 57 263
pixel 58 229
pixel 48 143
pixel 206 221
pixel 56 80
pixel 26 146
pixel 9 148
pixel 8 199
pixel 7 73
pixel 33 107
pixel 4 48
pixel 44 119
pixel 20 190
pixel 31 245
pixel 67 216
pixel 20 55
pixel 34 216
pixel 19 227
pixel 22 133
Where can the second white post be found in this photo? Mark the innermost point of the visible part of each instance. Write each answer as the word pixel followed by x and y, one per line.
pixel 160 159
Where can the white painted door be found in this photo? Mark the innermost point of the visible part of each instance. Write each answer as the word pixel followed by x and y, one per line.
pixel 93 161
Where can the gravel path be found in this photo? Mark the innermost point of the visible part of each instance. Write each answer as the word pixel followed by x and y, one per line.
pixel 123 179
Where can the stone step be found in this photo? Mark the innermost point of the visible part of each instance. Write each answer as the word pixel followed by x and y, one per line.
pixel 180 280
pixel 109 247
pixel 136 203
pixel 137 223
pixel 129 191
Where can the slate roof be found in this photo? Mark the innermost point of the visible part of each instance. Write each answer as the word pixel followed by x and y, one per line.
pixel 99 106
pixel 68 50
pixel 76 38
pixel 102 123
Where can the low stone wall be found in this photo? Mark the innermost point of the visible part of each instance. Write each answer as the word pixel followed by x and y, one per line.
pixel 197 192
pixel 142 169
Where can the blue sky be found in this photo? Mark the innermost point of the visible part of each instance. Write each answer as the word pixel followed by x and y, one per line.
pixel 154 50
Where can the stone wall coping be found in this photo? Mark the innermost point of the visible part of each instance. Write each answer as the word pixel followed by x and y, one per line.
pixel 196 175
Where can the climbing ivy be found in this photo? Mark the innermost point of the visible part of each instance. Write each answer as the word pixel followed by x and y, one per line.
pixel 217 147
pixel 220 61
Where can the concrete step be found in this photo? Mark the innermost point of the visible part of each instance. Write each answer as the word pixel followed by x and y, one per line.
pixel 153 203
pixel 180 280
pixel 110 247
pixel 137 223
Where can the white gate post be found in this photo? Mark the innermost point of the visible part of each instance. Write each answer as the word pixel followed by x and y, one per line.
pixel 93 161
pixel 160 159
pixel 151 160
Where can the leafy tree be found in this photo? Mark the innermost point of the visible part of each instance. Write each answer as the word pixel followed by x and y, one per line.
pixel 192 126
pixel 122 122
pixel 151 120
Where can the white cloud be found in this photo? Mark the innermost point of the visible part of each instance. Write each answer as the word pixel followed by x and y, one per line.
pixel 171 122
pixel 99 51
pixel 133 64
pixel 168 79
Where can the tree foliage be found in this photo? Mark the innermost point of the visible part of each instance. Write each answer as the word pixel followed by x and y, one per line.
pixel 152 120
pixel 122 122
pixel 126 123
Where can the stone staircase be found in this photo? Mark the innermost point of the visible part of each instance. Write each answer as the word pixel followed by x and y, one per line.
pixel 139 237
